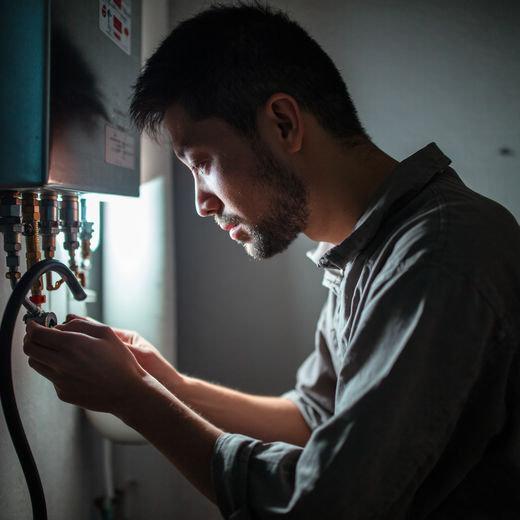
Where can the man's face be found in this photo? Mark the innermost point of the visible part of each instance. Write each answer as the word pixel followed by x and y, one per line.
pixel 261 202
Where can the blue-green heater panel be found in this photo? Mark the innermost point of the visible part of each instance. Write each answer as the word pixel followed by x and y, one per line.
pixel 64 95
pixel 24 93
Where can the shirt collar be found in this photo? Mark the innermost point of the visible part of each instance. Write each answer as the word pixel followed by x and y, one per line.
pixel 405 181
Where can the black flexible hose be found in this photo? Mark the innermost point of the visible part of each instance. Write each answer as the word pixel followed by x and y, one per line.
pixel 12 416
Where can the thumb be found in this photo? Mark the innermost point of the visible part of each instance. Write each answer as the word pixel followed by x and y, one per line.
pixel 71 317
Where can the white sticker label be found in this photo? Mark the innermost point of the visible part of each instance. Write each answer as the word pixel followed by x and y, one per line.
pixel 119 148
pixel 115 21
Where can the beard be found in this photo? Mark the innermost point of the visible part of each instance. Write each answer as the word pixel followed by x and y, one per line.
pixel 288 212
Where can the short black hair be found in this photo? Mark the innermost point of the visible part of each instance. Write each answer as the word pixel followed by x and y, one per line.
pixel 229 59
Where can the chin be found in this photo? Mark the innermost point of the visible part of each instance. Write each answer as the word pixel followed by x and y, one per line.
pixel 251 250
pixel 261 253
pixel 262 246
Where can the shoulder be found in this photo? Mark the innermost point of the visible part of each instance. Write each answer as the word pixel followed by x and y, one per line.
pixel 456 236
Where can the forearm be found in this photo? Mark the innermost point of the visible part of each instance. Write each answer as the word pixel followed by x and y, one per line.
pixel 182 436
pixel 266 418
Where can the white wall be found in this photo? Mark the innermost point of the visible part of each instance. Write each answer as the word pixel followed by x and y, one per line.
pixel 445 71
pixel 139 287
pixel 138 294
pixel 65 447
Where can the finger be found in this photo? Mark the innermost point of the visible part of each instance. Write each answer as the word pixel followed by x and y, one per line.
pixel 126 336
pixel 42 336
pixel 75 334
pixel 71 317
pixel 134 349
pixel 41 354
pixel 89 328
pixel 28 342
pixel 42 369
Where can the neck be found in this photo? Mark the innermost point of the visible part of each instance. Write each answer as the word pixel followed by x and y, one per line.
pixel 341 182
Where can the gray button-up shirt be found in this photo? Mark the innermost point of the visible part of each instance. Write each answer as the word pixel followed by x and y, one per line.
pixel 413 390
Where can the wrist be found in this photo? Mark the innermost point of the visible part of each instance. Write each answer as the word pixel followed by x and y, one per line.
pixel 172 380
pixel 180 385
pixel 139 399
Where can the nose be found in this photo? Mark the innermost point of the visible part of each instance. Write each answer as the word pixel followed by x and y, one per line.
pixel 206 202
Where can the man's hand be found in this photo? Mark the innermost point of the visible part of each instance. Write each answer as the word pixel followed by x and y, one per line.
pixel 90 366
pixel 146 355
pixel 266 418
pixel 87 363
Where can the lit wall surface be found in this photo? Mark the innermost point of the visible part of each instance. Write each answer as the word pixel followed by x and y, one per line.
pixel 65 447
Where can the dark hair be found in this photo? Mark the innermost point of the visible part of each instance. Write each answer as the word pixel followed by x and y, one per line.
pixel 229 59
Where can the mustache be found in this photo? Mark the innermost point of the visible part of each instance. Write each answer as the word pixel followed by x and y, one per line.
pixel 222 220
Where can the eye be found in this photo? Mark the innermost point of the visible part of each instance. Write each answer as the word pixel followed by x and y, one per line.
pixel 200 167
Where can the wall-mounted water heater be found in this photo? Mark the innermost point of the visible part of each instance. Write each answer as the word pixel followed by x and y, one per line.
pixel 67 72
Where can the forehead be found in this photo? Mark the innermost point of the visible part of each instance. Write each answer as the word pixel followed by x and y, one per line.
pixel 180 128
pixel 189 135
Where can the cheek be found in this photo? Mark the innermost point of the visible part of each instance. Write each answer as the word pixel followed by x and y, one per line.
pixel 235 184
pixel 232 188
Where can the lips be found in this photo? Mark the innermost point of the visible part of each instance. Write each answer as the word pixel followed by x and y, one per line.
pixel 232 228
pixel 228 227
pixel 234 231
pixel 231 224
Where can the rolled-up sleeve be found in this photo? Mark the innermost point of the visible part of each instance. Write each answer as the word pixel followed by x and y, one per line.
pixel 415 377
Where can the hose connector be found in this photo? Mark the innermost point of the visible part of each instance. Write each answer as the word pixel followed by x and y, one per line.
pixel 47 319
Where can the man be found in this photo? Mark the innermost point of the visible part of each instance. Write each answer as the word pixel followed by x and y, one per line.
pixel 409 406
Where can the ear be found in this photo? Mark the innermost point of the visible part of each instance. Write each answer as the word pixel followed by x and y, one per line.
pixel 283 121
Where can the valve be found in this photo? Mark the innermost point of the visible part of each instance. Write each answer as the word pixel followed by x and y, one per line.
pixel 30 219
pixel 87 228
pixel 47 319
pixel 11 227
pixel 49 229
pixel 70 227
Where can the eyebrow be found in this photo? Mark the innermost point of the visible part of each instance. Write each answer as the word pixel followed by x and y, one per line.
pixel 181 150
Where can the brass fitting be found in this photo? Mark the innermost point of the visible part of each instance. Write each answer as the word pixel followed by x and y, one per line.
pixel 31 218
pixel 85 249
pixel 82 279
pixel 49 285
pixel 49 230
